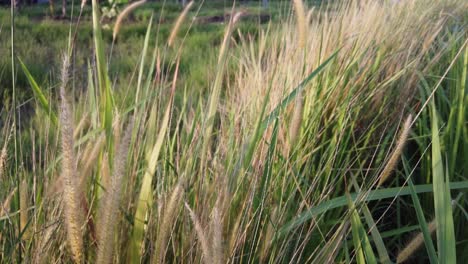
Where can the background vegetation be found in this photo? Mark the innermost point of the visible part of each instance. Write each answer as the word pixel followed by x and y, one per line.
pixel 294 133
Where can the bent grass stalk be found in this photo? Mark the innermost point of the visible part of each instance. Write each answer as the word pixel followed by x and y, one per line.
pixel 127 10
pixel 178 23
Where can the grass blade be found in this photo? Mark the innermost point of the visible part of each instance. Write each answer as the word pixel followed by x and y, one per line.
pixel 442 201
pixel 43 102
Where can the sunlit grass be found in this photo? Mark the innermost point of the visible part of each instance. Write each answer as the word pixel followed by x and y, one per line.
pixel 332 138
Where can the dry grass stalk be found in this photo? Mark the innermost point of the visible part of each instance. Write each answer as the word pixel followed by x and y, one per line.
pixel 123 15
pixel 310 13
pixel 392 162
pixel 111 201
pixel 83 3
pixel 296 121
pixel 5 209
pixel 167 222
pixel 23 208
pixel 415 243
pixel 73 212
pixel 178 23
pixel 201 234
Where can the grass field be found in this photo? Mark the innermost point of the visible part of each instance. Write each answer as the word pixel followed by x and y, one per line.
pixel 319 132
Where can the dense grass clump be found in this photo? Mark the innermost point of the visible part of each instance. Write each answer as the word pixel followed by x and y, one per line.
pixel 332 134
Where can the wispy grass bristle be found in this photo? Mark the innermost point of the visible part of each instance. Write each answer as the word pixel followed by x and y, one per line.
pixel 202 236
pixel 178 23
pixel 127 10
pixel 395 156
pixel 415 244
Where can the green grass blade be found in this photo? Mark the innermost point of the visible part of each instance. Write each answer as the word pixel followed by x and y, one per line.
pixel 442 201
pixel 292 95
pixel 422 221
pixel 372 196
pixel 145 198
pixel 355 229
pixel 103 78
pixel 143 56
pixel 43 102
pixel 381 249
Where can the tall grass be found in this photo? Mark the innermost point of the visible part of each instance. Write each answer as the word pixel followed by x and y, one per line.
pixel 296 152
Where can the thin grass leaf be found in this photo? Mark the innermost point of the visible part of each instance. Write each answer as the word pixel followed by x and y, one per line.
pixel 442 201
pixel 372 196
pixel 43 102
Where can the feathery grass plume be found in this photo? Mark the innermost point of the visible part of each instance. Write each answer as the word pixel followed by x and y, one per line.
pixel 105 172
pixel 72 207
pixel 116 130
pixel 91 158
pixel 227 35
pixel 301 22
pixel 23 207
pixel 3 154
pixel 296 121
pixel 201 233
pixel 111 200
pixel 392 162
pixel 415 243
pixel 167 222
pixel 217 252
pixel 265 250
pixel 81 125
pixel 123 15
pixel 178 23
pixel 310 13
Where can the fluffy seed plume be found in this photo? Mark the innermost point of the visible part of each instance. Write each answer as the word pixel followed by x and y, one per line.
pixel 392 162
pixel 227 35
pixel 123 15
pixel 415 244
pixel 72 208
pixel 3 154
pixel 301 22
pixel 178 23
pixel 111 201
pixel 167 222
pixel 91 158
pixel 201 236
pixel 217 233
